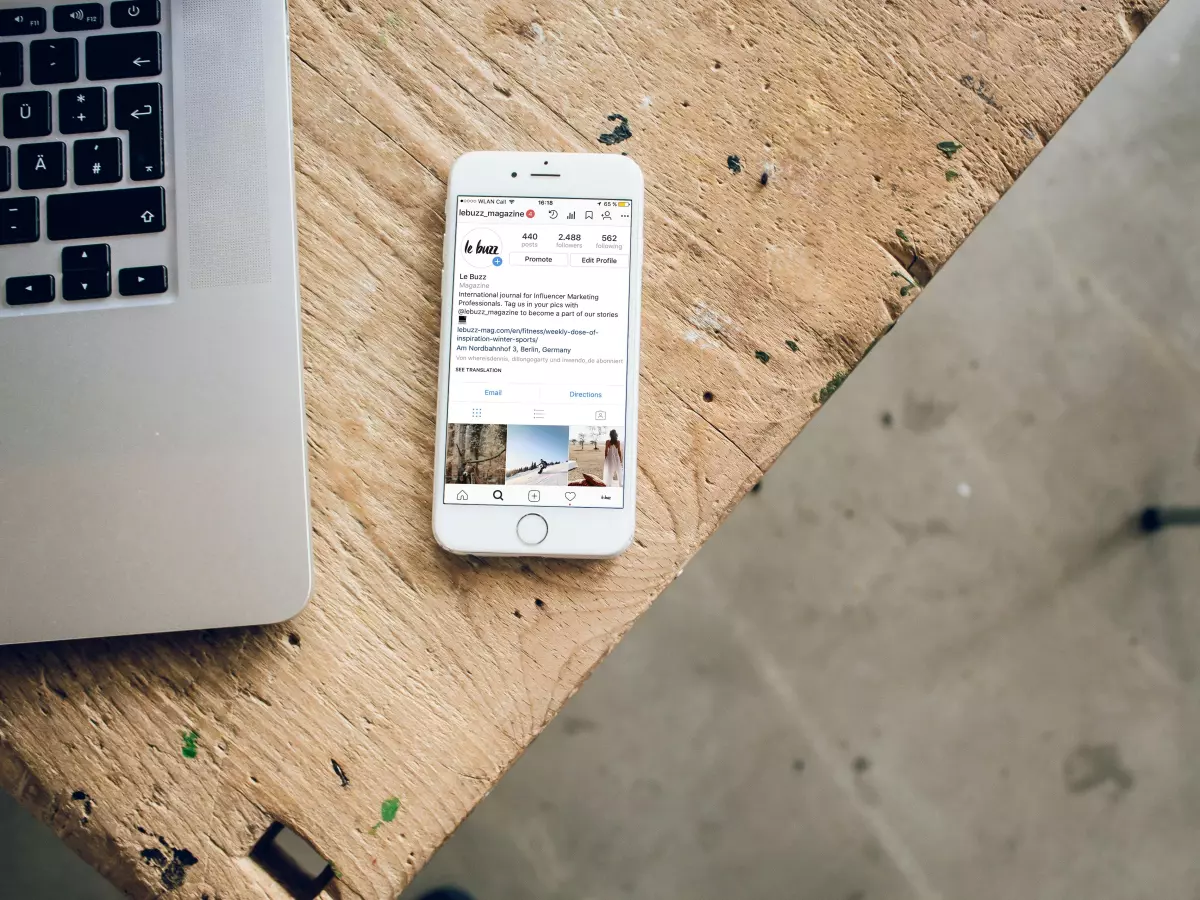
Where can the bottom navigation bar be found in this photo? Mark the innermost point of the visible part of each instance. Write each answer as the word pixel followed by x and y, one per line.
pixel 534 495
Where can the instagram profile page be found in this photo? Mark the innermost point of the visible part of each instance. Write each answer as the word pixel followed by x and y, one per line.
pixel 538 352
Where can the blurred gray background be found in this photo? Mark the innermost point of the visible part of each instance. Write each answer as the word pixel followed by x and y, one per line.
pixel 930 658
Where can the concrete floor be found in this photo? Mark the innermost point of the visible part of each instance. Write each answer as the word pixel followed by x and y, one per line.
pixel 929 659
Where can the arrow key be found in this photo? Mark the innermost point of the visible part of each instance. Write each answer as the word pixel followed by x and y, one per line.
pixel 137 54
pixel 86 285
pixel 143 281
pixel 87 258
pixel 29 289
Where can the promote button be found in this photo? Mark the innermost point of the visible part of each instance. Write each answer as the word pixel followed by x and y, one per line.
pixel 536 258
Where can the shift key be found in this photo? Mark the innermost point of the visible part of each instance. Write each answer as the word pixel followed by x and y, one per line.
pixel 98 214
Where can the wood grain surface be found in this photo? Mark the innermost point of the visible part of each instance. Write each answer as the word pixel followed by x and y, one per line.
pixel 419 676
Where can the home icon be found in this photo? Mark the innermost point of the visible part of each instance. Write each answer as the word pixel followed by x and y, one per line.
pixel 462 495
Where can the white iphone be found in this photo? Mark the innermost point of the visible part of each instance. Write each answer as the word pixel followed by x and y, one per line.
pixel 537 396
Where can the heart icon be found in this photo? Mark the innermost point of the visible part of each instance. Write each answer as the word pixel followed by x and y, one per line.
pixel 570 495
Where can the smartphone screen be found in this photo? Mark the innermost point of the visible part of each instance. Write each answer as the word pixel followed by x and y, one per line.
pixel 539 366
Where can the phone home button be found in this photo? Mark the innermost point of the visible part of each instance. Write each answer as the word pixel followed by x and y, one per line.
pixel 532 529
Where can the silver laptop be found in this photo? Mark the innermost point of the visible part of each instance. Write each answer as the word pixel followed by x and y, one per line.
pixel 152 450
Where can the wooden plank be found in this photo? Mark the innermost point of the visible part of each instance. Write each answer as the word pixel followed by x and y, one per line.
pixel 424 676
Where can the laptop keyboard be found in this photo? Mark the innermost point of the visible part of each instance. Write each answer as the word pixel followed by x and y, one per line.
pixel 83 155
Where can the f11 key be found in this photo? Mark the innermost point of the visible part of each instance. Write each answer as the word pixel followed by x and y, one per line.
pixel 27 20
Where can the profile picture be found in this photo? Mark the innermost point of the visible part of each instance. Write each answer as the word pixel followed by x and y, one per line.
pixel 537 455
pixel 597 455
pixel 475 454
pixel 482 248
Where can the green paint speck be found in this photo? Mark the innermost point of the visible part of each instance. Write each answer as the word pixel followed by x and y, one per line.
pixel 949 148
pixel 189 744
pixel 906 290
pixel 387 812
pixel 951 175
pixel 904 237
pixel 762 356
pixel 834 383
pixel 389 808
pixel 793 346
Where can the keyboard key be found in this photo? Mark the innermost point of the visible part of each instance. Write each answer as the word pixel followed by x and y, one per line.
pixel 139 111
pixel 87 285
pixel 19 220
pixel 30 289
pixel 142 282
pixel 27 115
pixel 54 62
pixel 136 13
pixel 134 55
pixel 41 166
pixel 27 20
pixel 97 214
pixel 5 168
pixel 98 161
pixel 12 65
pixel 79 17
pixel 82 110
pixel 87 258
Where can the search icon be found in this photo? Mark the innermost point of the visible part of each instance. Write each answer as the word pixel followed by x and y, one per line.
pixel 497 495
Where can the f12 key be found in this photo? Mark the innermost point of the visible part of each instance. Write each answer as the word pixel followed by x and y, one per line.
pixel 79 17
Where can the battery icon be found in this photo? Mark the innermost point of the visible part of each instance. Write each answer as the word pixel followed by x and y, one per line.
pixel 622 203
